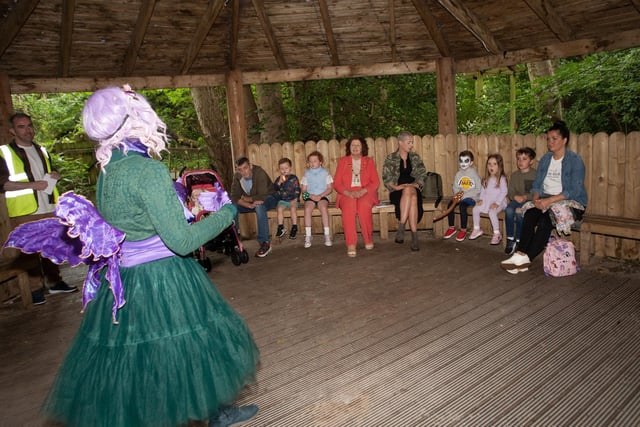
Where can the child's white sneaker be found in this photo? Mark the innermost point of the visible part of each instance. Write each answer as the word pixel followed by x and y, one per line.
pixel 327 240
pixel 307 241
pixel 477 232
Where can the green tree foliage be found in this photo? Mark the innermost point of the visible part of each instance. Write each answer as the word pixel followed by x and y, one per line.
pixel 600 92
pixel 371 106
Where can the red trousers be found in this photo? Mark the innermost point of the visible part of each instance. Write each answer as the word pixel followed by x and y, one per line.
pixel 362 209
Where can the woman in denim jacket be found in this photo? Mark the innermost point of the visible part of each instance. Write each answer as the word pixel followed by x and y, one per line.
pixel 559 199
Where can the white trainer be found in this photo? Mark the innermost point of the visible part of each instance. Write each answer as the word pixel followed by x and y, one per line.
pixel 307 241
pixel 516 261
pixel 517 270
pixel 327 240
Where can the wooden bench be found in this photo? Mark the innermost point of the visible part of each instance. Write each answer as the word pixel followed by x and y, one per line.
pixel 334 218
pixel 11 272
pixel 615 226
pixel 383 215
pixel 387 217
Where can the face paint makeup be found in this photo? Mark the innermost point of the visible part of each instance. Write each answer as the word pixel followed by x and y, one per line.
pixel 465 162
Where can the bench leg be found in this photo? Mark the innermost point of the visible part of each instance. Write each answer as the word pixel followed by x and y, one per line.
pixel 384 225
pixel 585 247
pixel 25 290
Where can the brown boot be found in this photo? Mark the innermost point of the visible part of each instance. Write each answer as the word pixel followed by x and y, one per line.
pixel 414 241
pixel 400 234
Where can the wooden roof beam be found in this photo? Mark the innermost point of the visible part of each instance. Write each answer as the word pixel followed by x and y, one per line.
pixel 545 11
pixel 616 41
pixel 137 35
pixel 235 35
pixel 471 22
pixel 432 27
pixel 328 30
pixel 621 40
pixel 16 18
pixel 206 22
pixel 268 32
pixel 66 33
pixel 392 31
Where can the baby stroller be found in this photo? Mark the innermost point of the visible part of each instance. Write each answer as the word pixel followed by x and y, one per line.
pixel 198 184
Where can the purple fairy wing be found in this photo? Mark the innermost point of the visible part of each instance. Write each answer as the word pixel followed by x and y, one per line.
pixel 99 238
pixel 48 236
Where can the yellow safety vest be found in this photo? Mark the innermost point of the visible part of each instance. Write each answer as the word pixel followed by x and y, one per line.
pixel 21 202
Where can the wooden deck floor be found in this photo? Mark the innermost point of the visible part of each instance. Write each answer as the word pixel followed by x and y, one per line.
pixel 394 338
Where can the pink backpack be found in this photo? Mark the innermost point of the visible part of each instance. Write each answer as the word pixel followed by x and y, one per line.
pixel 560 258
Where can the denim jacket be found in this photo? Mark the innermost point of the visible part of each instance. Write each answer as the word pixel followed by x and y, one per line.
pixel 573 175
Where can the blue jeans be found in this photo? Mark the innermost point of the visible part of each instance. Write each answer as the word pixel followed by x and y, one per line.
pixel 513 220
pixel 261 213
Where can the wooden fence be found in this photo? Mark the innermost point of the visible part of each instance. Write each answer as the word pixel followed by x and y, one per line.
pixel 612 167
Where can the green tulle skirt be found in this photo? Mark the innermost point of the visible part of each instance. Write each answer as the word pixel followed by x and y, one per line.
pixel 178 352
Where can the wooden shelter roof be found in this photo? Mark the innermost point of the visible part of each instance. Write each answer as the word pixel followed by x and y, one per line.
pixel 70 45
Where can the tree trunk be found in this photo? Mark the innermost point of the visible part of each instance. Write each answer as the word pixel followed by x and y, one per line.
pixel 209 103
pixel 253 121
pixel 550 102
pixel 271 113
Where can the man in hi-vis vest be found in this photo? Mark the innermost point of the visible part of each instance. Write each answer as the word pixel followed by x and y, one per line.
pixel 28 183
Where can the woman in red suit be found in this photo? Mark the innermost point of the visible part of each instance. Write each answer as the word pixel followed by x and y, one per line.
pixel 356 182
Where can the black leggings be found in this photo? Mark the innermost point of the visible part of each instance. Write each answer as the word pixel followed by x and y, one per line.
pixel 535 232
pixel 536 229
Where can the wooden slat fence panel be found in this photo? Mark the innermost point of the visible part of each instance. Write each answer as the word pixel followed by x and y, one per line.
pixel 599 175
pixel 632 176
pixel 615 187
pixel 612 165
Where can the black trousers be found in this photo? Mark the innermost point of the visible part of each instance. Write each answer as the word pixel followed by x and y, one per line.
pixel 535 232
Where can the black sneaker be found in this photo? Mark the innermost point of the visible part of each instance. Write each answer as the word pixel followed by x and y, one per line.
pixel 280 232
pixel 62 288
pixel 264 250
pixel 511 247
pixel 293 232
pixel 38 297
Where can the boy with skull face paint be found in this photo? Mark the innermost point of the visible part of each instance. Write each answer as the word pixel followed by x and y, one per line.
pixel 468 181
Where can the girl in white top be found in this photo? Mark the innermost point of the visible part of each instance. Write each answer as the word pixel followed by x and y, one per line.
pixel 316 186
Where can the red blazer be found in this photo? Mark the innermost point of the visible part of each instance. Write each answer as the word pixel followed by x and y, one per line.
pixel 368 177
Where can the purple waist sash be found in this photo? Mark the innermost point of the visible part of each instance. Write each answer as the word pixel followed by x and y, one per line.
pixel 147 250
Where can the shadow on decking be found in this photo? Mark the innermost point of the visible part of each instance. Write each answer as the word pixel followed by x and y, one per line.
pixel 396 338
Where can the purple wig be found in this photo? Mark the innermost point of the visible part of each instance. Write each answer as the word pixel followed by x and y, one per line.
pixel 114 114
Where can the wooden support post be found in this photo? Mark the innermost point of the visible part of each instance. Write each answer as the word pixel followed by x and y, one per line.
pixel 446 85
pixel 6 108
pixel 237 118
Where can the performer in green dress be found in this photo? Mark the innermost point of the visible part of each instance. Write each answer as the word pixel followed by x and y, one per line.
pixel 164 348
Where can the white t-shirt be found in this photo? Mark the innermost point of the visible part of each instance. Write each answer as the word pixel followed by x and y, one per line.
pixel 552 184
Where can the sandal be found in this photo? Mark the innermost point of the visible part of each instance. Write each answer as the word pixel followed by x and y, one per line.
pixel 351 251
